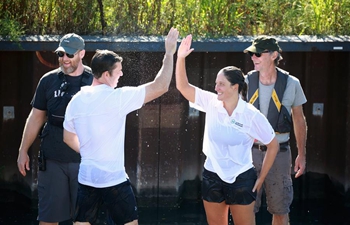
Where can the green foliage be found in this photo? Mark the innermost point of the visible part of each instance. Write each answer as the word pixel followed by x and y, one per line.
pixel 201 18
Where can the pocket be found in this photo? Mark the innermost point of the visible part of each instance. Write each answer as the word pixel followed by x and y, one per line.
pixel 284 122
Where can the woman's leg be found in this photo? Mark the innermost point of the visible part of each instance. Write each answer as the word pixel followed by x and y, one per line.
pixel 217 213
pixel 243 214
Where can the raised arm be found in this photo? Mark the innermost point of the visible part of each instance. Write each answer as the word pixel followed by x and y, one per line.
pixel 35 121
pixel 186 89
pixel 160 84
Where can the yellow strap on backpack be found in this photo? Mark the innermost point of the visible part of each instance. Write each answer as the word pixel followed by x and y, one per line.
pixel 276 100
pixel 254 97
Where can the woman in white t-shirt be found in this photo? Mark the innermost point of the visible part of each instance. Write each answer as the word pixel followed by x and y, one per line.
pixel 232 125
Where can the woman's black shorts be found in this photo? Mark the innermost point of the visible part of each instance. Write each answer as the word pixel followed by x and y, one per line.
pixel 238 193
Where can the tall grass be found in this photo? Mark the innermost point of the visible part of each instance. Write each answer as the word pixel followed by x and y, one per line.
pixel 202 18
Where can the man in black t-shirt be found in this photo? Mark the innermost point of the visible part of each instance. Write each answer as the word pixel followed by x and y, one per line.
pixel 58 163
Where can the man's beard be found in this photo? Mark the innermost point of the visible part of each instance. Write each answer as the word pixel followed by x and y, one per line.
pixel 69 70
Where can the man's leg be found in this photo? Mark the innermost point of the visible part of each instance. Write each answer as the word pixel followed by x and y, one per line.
pixel 280 219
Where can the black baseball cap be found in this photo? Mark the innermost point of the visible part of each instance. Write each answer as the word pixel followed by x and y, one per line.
pixel 263 43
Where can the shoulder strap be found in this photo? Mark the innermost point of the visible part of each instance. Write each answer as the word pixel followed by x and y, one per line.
pixel 253 90
pixel 276 98
pixel 87 76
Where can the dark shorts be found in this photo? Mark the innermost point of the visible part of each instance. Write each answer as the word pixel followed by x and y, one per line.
pixel 57 191
pixel 238 193
pixel 119 201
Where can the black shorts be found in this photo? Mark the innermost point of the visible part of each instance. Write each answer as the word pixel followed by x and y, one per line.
pixel 119 200
pixel 238 193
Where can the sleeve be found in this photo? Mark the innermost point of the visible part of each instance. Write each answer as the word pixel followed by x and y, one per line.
pixel 129 99
pixel 299 94
pixel 202 99
pixel 261 129
pixel 68 119
pixel 39 100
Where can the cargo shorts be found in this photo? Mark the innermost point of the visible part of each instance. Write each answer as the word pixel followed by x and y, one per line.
pixel 278 184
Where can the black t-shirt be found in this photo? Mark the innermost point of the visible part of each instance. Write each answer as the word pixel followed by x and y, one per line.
pixel 53 93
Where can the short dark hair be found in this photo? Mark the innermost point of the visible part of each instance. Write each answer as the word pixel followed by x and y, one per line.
pixel 104 60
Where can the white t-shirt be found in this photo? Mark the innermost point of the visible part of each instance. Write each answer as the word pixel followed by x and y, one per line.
pixel 228 140
pixel 97 114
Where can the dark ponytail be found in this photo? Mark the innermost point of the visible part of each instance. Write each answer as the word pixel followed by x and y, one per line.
pixel 235 76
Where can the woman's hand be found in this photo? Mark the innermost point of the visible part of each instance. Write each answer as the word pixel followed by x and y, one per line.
pixel 185 47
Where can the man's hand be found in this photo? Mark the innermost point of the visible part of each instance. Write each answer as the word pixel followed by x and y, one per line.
pixel 23 162
pixel 300 164
pixel 171 41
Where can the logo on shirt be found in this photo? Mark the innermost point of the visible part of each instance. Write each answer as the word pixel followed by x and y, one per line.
pixel 236 123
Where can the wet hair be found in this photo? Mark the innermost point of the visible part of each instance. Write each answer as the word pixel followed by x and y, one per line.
pixel 104 60
pixel 235 76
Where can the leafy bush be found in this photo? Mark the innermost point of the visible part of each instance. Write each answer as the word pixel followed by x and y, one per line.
pixel 202 18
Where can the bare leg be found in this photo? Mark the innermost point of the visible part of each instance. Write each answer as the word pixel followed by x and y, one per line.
pixel 280 219
pixel 81 223
pixel 135 222
pixel 243 214
pixel 217 213
pixel 46 223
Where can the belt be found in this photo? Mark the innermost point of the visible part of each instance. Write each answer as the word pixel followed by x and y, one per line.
pixel 263 148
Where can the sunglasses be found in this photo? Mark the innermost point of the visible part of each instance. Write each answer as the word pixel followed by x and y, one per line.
pixel 61 54
pixel 257 54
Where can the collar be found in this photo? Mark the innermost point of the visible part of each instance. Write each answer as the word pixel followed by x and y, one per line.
pixel 239 108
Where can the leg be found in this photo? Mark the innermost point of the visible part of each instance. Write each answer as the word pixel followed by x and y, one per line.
pixel 135 222
pixel 280 219
pixel 217 213
pixel 73 185
pixel 243 214
pixel 88 202
pixel 258 158
pixel 279 188
pixel 121 204
pixel 53 192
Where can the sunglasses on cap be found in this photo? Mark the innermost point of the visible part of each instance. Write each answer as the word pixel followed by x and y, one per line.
pixel 61 54
pixel 257 54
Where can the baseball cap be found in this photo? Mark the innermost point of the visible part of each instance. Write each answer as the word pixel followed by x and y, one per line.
pixel 263 43
pixel 71 43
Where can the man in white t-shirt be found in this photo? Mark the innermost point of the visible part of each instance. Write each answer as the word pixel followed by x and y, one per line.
pixel 95 126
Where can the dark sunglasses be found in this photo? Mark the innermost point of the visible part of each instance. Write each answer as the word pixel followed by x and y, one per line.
pixel 257 54
pixel 61 54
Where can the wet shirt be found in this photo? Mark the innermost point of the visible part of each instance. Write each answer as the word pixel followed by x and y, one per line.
pixel 97 114
pixel 227 138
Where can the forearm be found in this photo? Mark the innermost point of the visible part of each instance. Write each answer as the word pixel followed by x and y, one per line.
pixel 164 75
pixel 180 74
pixel 30 133
pixel 300 131
pixel 182 84
pixel 71 140
pixel 272 150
